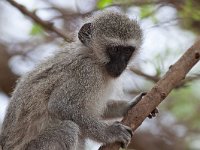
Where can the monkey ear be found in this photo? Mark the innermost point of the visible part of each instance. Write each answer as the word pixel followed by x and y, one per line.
pixel 85 33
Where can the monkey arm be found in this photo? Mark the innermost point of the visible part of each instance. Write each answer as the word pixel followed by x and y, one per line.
pixel 90 126
pixel 93 128
pixel 116 109
pixel 62 108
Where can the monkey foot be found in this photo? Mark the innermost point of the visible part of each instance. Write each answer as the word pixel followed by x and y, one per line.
pixel 153 113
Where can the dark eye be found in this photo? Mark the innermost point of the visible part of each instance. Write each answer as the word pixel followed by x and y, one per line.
pixel 112 50
pixel 132 48
pixel 129 50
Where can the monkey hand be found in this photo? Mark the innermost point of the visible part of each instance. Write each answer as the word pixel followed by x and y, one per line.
pixel 120 133
pixel 153 113
pixel 137 99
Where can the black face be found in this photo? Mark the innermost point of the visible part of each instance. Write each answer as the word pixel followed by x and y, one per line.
pixel 119 58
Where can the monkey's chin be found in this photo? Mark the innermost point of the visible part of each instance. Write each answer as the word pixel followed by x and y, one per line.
pixel 115 69
pixel 115 75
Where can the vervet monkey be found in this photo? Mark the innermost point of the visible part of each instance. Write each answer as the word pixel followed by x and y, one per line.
pixel 62 102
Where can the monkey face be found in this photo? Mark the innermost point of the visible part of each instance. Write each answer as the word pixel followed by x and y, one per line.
pixel 119 57
pixel 113 38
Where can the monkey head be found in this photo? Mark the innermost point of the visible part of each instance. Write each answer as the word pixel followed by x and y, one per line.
pixel 114 39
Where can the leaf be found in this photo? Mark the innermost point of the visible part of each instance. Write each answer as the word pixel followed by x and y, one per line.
pixel 104 3
pixel 190 10
pixel 146 11
pixel 36 30
pixel 185 103
pixel 154 19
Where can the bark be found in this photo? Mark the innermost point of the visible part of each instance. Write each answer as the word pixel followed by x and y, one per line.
pixel 158 93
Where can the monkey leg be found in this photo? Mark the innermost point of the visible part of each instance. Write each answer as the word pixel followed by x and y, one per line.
pixel 60 137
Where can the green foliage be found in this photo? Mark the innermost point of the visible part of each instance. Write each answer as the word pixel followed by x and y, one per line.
pixel 163 60
pixel 190 12
pixel 159 66
pixel 159 63
pixel 185 104
pixel 154 19
pixel 36 30
pixel 104 3
pixel 146 11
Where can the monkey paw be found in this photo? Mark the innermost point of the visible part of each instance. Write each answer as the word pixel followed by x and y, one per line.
pixel 153 113
pixel 121 133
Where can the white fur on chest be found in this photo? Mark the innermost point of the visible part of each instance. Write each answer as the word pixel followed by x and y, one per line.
pixel 104 96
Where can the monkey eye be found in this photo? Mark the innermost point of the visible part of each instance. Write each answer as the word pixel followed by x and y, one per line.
pixel 129 50
pixel 112 50
pixel 118 50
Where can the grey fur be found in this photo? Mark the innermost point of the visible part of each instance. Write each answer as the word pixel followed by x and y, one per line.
pixel 62 101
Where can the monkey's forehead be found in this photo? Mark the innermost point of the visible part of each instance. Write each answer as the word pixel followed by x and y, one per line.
pixel 116 25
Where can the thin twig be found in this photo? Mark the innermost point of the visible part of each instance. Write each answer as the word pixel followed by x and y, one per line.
pixel 46 25
pixel 148 77
pixel 155 78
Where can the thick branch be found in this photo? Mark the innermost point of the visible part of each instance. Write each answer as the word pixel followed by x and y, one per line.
pixel 46 25
pixel 158 93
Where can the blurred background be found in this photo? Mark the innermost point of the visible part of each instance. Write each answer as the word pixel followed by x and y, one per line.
pixel 31 30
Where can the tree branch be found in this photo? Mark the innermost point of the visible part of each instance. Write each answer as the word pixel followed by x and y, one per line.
pixel 46 25
pixel 158 93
